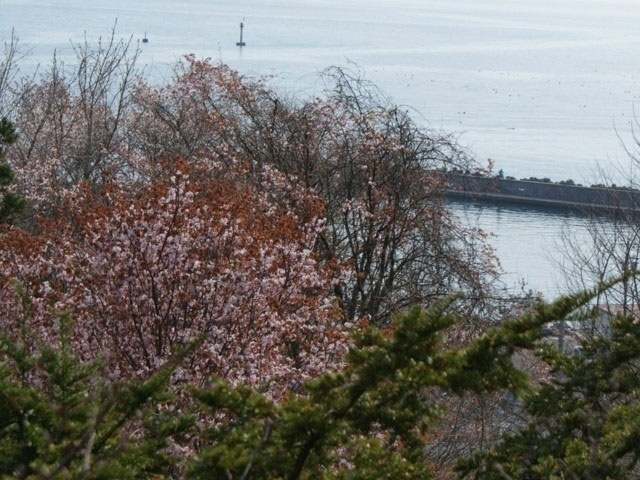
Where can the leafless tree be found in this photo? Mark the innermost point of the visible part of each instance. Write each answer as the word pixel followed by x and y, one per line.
pixel 71 117
pixel 9 72
pixel 607 243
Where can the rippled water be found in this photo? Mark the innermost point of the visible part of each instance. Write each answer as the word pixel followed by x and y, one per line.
pixel 536 85
pixel 528 241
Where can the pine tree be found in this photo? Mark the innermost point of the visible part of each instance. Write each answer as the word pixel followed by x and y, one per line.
pixel 62 418
pixel 584 422
pixel 372 419
pixel 10 204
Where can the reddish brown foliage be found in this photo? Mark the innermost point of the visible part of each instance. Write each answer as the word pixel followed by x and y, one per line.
pixel 182 257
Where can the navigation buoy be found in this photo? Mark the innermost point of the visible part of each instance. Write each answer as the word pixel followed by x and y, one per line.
pixel 145 39
pixel 241 43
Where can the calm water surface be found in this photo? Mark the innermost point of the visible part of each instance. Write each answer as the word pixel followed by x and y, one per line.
pixel 538 86
pixel 528 242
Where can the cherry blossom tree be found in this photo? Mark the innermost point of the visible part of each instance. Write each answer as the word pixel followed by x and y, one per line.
pixel 71 120
pixel 375 169
pixel 144 272
pixel 213 204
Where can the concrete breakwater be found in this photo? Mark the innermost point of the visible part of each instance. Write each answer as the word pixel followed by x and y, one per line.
pixel 586 199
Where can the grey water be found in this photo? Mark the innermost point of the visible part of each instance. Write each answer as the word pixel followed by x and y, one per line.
pixel 544 88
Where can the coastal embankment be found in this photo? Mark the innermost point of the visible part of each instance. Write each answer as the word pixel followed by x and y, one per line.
pixel 542 193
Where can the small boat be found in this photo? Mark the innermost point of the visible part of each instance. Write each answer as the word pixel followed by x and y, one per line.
pixel 145 39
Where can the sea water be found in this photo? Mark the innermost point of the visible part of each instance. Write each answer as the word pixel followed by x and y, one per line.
pixel 544 88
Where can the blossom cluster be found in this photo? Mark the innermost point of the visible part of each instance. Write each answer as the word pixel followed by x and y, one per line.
pixel 143 273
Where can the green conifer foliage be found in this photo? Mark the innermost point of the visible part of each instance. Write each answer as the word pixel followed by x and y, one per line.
pixel 584 423
pixel 10 203
pixel 63 419
pixel 371 420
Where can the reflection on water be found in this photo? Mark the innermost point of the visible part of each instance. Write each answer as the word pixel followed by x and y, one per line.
pixel 526 240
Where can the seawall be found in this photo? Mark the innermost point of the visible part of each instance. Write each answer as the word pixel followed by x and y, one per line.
pixel 541 193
